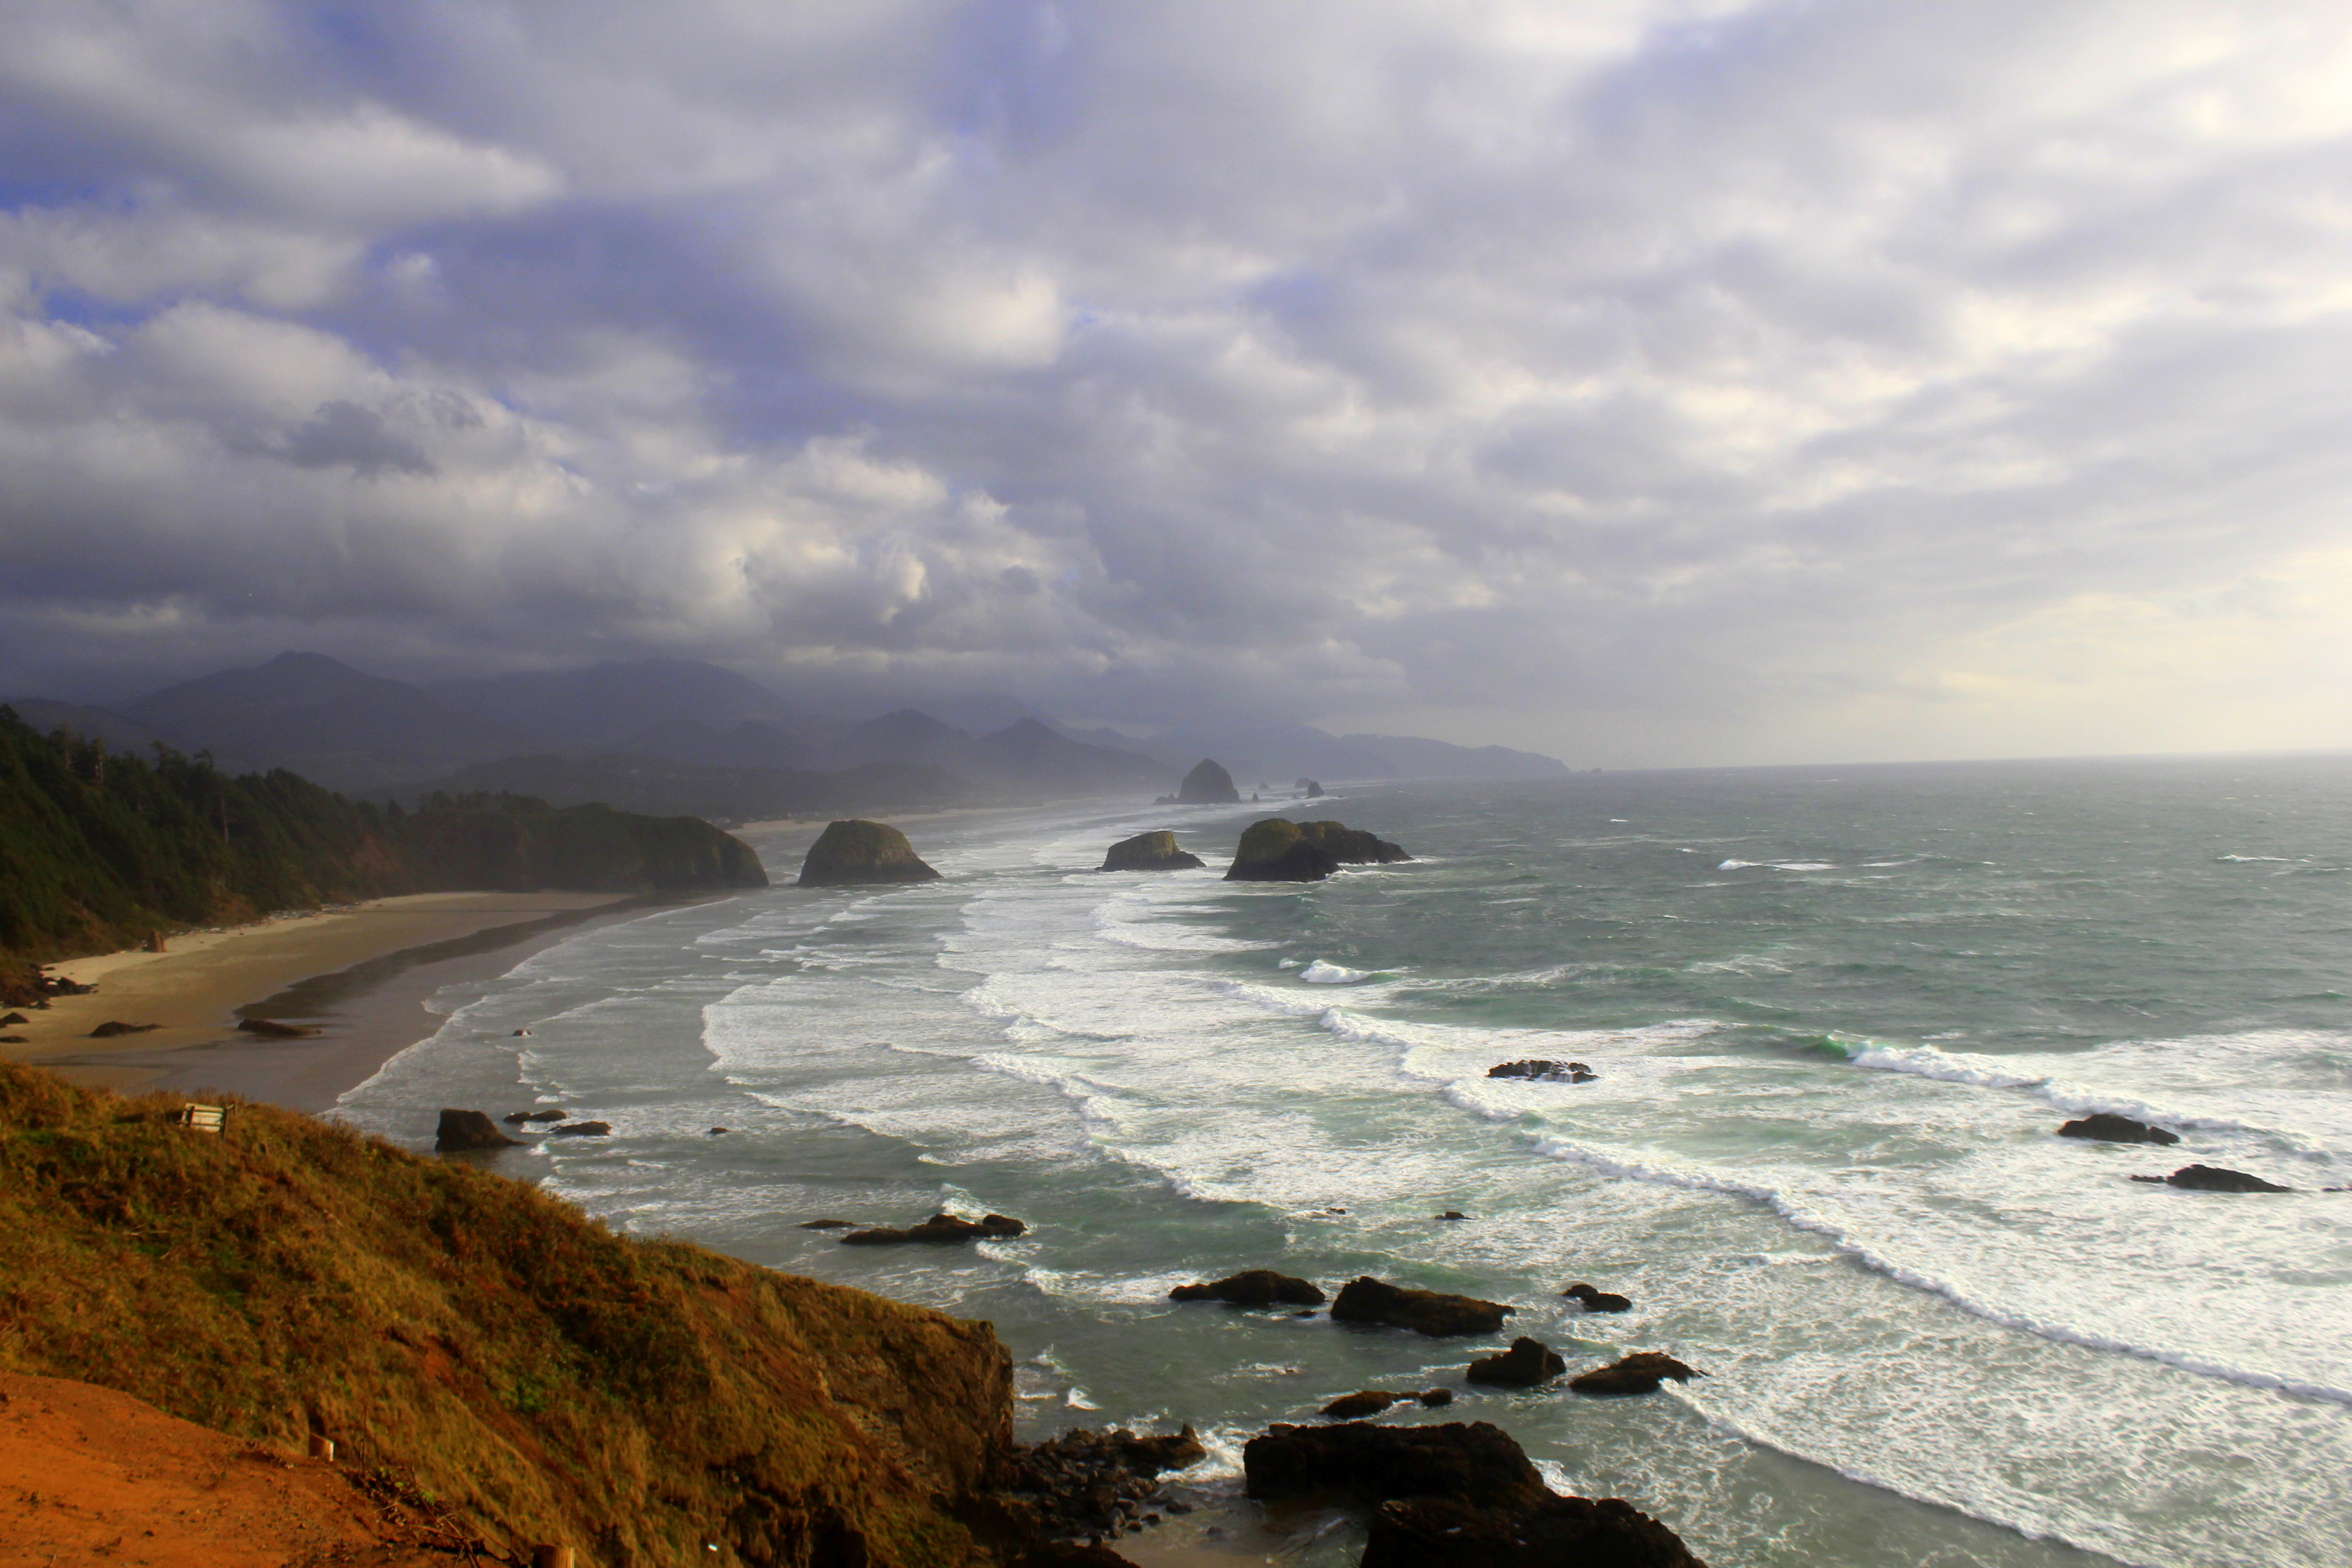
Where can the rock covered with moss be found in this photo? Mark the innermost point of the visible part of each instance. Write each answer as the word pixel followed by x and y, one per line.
pixel 857 854
pixel 1150 852
pixel 1280 850
pixel 1207 785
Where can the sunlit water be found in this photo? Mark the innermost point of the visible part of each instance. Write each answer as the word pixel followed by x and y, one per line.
pixel 1838 1016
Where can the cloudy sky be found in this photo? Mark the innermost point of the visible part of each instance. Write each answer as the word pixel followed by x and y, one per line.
pixel 1643 381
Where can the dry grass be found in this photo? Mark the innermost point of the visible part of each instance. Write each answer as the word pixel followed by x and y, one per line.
pixel 539 1375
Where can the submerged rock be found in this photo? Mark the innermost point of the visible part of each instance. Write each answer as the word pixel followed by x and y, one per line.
pixel 271 1029
pixel 115 1026
pixel 584 1129
pixel 1433 1397
pixel 1640 1373
pixel 551 1114
pixel 463 1131
pixel 1526 1364
pixel 1540 1068
pixel 2111 1128
pixel 1277 850
pixel 1431 1312
pixel 1362 1403
pixel 1151 852
pixel 939 1230
pixel 2214 1179
pixel 1598 1300
pixel 857 854
pixel 1207 785
pixel 1254 1287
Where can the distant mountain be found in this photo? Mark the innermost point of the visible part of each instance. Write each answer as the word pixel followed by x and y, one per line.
pixel 904 736
pixel 657 787
pixel 91 723
pixel 1028 758
pixel 325 721
pixel 1276 753
pixel 600 707
pixel 750 744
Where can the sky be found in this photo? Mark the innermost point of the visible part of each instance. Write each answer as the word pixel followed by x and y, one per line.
pixel 1693 382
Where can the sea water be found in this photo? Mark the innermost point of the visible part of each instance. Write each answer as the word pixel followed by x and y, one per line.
pixel 1837 1016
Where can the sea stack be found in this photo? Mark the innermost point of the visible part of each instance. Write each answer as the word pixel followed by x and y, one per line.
pixel 1280 850
pixel 1150 852
pixel 1207 785
pixel 857 854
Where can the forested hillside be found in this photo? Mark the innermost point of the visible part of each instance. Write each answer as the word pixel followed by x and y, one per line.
pixel 98 848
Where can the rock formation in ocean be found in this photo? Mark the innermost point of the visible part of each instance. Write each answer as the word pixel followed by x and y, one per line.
pixel 1277 850
pixel 463 1131
pixel 1368 1301
pixel 1362 1403
pixel 1207 785
pixel 1640 1373
pixel 1529 1363
pixel 1594 1301
pixel 1537 1067
pixel 271 1029
pixel 584 1129
pixel 857 854
pixel 1150 852
pixel 2215 1179
pixel 2107 1128
pixel 1454 1495
pixel 1254 1287
pixel 940 1230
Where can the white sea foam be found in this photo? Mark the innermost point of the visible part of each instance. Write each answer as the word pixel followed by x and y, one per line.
pixel 1323 973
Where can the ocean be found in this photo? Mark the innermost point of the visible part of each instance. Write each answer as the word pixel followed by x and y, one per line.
pixel 1837 1016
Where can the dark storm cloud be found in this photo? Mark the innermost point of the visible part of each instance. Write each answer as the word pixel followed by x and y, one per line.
pixel 1648 379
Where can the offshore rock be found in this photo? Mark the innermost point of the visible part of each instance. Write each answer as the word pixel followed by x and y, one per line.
pixel 463 1131
pixel 1254 1287
pixel 1595 1300
pixel 2110 1129
pixel 1537 1067
pixel 1551 1532
pixel 1529 1363
pixel 1362 1403
pixel 1640 1373
pixel 1277 850
pixel 1150 852
pixel 939 1230
pixel 858 853
pixel 271 1029
pixel 1373 1464
pixel 115 1026
pixel 550 1114
pixel 1368 1301
pixel 584 1129
pixel 1207 785
pixel 2214 1179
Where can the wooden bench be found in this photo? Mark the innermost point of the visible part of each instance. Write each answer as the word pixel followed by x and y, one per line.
pixel 203 1118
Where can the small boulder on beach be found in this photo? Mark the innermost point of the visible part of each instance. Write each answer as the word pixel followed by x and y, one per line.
pixel 1640 1373
pixel 462 1131
pixel 1362 1403
pixel 856 853
pixel 12 1019
pixel 1432 1312
pixel 2214 1179
pixel 1254 1287
pixel 2106 1127
pixel 1593 1300
pixel 113 1027
pixel 1150 852
pixel 1529 1363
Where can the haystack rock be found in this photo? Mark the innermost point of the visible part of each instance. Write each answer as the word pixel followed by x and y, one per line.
pixel 1280 850
pixel 463 1131
pixel 858 853
pixel 1431 1312
pixel 1150 852
pixel 1254 1287
pixel 1207 785
pixel 2107 1128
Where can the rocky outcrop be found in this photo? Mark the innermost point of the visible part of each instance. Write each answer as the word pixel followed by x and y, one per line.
pixel 1593 1300
pixel 271 1029
pixel 2214 1179
pixel 1453 1497
pixel 1537 1067
pixel 1254 1287
pixel 1086 1483
pixel 2110 1129
pixel 940 1230
pixel 462 1132
pixel 1277 850
pixel 551 1114
pixel 1529 1363
pixel 1362 1403
pixel 859 854
pixel 584 1129
pixel 1207 785
pixel 1640 1373
pixel 1150 852
pixel 1431 1312
pixel 114 1029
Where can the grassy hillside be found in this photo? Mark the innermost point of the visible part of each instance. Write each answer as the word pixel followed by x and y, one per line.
pixel 548 1379
pixel 98 848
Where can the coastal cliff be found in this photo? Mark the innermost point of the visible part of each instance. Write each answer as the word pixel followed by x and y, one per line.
pixel 541 1378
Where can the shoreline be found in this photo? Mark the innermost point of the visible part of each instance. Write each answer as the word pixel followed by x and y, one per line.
pixel 359 975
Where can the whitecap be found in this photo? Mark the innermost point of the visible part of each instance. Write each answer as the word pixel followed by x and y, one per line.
pixel 1323 973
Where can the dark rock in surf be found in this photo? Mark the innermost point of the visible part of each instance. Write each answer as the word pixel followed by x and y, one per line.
pixel 2214 1179
pixel 1450 1213
pixel 1529 1363
pixel 1151 852
pixel 1433 1397
pixel 1594 1301
pixel 549 1115
pixel 1551 1532
pixel 1207 785
pixel 113 1027
pixel 271 1029
pixel 1549 1071
pixel 1640 1373
pixel 828 1225
pixel 1431 1312
pixel 1254 1287
pixel 858 853
pixel 940 1230
pixel 1373 1463
pixel 1277 850
pixel 464 1131
pixel 2110 1129
pixel 1362 1403
pixel 584 1129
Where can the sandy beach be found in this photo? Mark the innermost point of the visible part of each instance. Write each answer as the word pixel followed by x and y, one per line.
pixel 359 975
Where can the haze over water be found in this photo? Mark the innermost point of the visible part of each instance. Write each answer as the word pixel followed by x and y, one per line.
pixel 1837 1015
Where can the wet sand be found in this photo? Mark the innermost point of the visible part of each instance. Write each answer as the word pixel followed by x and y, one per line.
pixel 360 975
